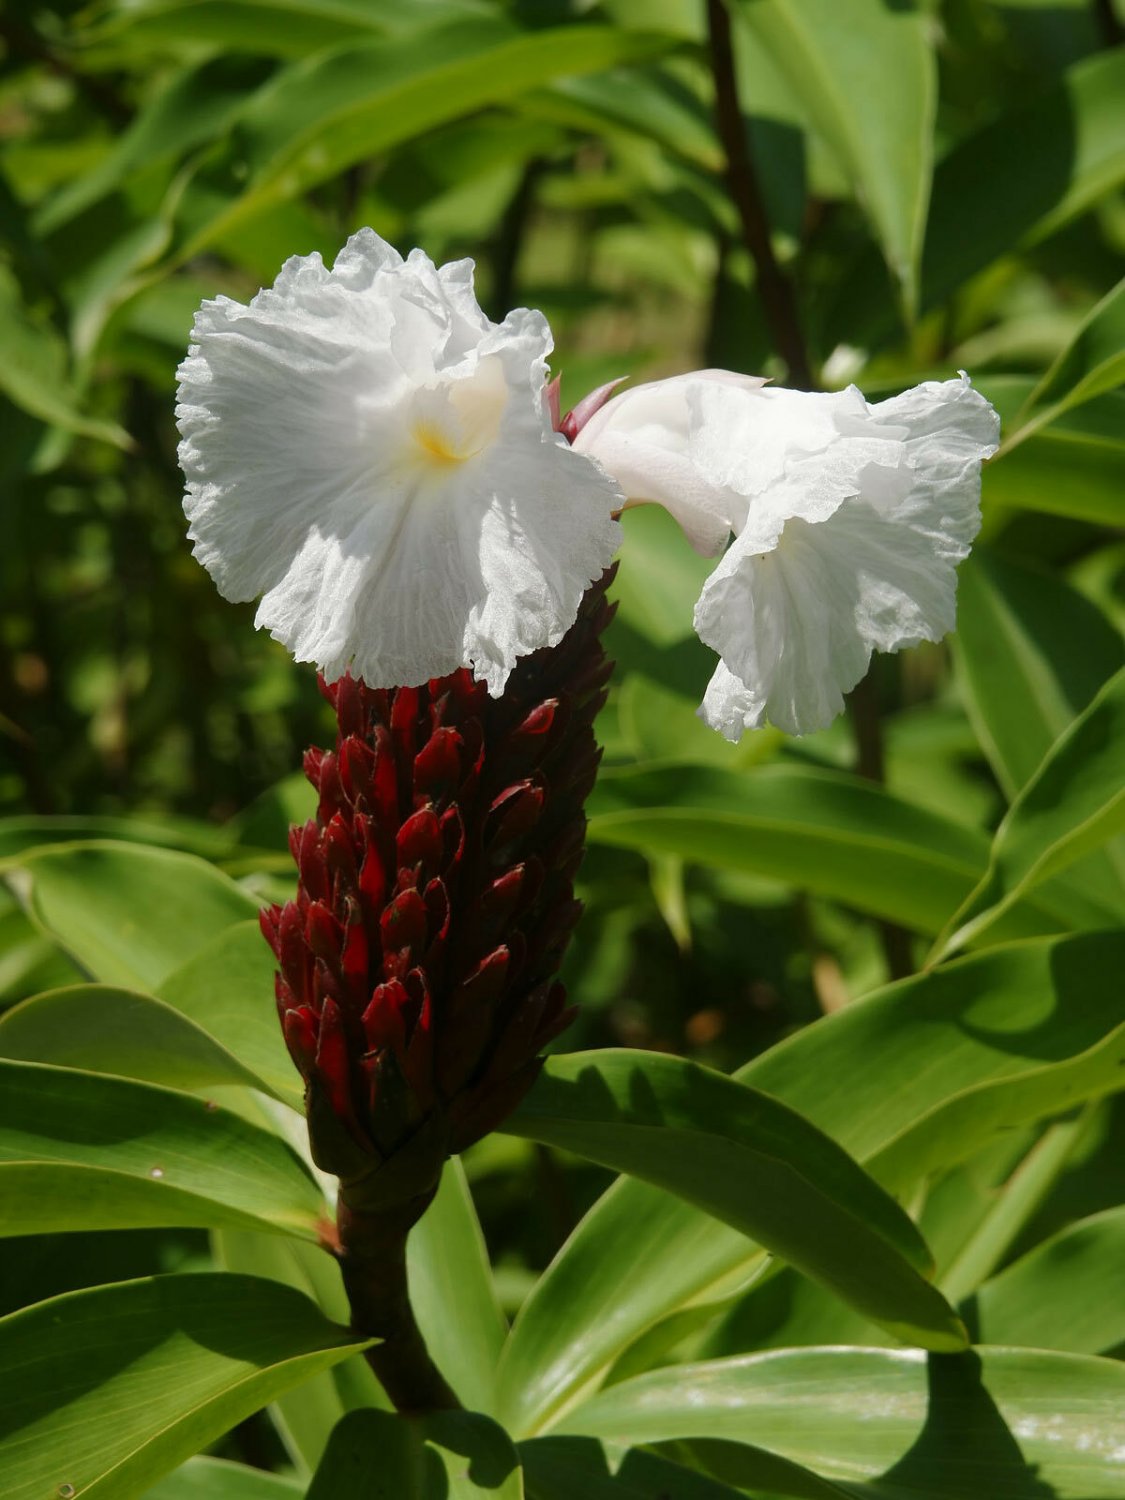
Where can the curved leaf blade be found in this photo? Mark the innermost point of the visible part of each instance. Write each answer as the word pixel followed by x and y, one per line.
pixel 947 1427
pixel 1073 804
pixel 1067 1293
pixel 101 1029
pixel 452 1292
pixel 1031 1029
pixel 129 914
pixel 338 107
pixel 106 1390
pixel 751 1162
pixel 226 988
pixel 868 79
pixel 90 1151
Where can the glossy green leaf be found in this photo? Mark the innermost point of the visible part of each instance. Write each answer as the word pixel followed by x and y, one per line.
pixel 127 914
pixel 988 1422
pixel 824 831
pixel 868 79
pixel 337 107
pixel 1032 653
pixel 749 1161
pixel 89 1151
pixel 454 1455
pixel 1028 1030
pixel 107 1030
pixel 1073 804
pixel 1067 1293
pixel 217 1479
pixel 227 989
pixel 104 1391
pixel 452 1292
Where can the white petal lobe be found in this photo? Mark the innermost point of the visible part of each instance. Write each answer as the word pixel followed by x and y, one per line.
pixel 372 456
pixel 850 545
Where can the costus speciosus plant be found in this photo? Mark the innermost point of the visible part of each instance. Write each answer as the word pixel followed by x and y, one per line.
pixel 391 473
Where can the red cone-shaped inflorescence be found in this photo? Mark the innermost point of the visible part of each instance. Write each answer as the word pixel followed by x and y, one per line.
pixel 418 963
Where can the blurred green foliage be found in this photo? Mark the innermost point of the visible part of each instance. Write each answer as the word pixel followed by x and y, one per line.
pixel 943 183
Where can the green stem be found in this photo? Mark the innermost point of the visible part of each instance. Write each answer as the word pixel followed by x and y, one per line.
pixel 372 1256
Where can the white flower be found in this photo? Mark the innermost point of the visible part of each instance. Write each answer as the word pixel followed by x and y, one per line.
pixel 849 520
pixel 375 458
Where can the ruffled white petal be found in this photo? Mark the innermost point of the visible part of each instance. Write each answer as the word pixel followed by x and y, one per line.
pixel 850 545
pixel 370 454
pixel 655 440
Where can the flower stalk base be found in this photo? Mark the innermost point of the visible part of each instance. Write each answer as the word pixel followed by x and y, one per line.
pixel 372 1257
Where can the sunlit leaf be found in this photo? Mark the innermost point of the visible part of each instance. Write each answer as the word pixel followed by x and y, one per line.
pixel 89 1151
pixel 749 1161
pixel 868 79
pixel 987 1422
pixel 1074 803
pixel 1063 1294
pixel 104 1391
pixel 107 1030
pixel 127 914
pixel 1027 1030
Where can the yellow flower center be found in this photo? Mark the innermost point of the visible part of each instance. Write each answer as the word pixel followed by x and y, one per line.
pixel 455 420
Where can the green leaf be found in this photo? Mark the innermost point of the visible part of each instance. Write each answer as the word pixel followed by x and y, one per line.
pixel 1091 364
pixel 947 1427
pixel 1026 173
pixel 1064 1294
pixel 325 113
pixel 107 1030
pixel 227 990
pixel 1032 653
pixel 279 28
pixel 659 580
pixel 646 101
pixel 104 1391
pixel 88 1151
pixel 1023 175
pixel 450 1455
pixel 750 1162
pixel 128 914
pixel 452 1293
pixel 216 1479
pixel 21 834
pixel 1074 803
pixel 197 105
pixel 868 79
pixel 1075 467
pixel 825 831
pixel 1028 1030
pixel 305 1418
pixel 33 372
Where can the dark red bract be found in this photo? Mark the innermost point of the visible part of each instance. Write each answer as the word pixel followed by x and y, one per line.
pixel 436 896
